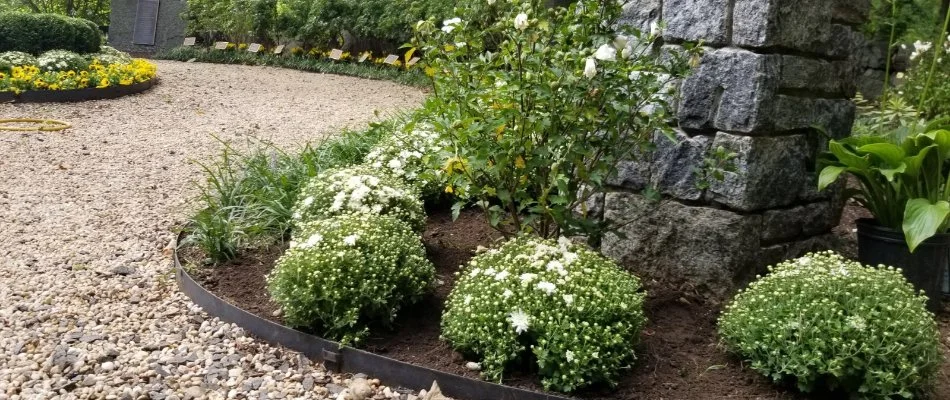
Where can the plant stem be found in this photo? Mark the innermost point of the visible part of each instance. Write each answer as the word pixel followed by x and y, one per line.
pixel 890 55
pixel 933 64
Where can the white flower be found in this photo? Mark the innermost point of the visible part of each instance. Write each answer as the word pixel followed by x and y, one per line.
pixel 564 242
pixel 606 53
pixel 501 275
pixel 307 202
pixel 547 287
pixel 654 28
pixel 569 355
pixel 590 69
pixel 555 265
pixel 620 42
pixel 394 164
pixel 491 2
pixel 351 240
pixel 568 299
pixel 313 240
pixel 569 258
pixel 520 321
pixel 521 21
pixel 528 277
pixel 449 25
pixel 857 323
pixel 467 299
pixel 508 293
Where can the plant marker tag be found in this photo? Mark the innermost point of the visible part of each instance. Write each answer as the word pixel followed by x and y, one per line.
pixel 336 54
pixel 364 57
pixel 220 45
pixel 391 60
pixel 279 49
pixel 189 41
pixel 254 47
pixel 413 61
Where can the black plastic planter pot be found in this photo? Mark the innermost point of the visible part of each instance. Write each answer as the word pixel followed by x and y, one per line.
pixel 347 359
pixel 924 268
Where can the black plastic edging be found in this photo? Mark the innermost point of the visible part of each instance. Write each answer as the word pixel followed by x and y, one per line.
pixel 347 359
pixel 61 96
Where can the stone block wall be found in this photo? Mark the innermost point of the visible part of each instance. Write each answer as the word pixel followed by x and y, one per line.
pixel 169 32
pixel 772 72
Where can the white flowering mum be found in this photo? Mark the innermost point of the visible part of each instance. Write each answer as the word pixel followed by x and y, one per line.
pixel 577 311
pixel 824 319
pixel 61 60
pixel 11 59
pixel 414 154
pixel 359 189
pixel 345 272
pixel 109 55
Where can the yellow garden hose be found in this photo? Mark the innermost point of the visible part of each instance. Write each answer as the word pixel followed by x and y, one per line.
pixel 45 125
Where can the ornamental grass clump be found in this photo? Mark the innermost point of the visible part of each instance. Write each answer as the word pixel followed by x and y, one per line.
pixel 822 320
pixel 415 154
pixel 574 312
pixel 359 189
pixel 343 273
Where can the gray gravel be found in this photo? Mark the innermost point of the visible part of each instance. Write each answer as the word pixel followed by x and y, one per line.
pixel 88 304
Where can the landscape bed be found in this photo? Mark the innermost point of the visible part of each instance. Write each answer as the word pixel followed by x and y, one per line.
pixel 679 355
pixel 86 94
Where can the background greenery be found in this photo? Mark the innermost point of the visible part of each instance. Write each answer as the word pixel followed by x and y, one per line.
pixel 96 11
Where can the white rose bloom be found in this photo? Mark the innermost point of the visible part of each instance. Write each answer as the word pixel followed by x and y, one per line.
pixel 606 53
pixel 521 21
pixel 590 69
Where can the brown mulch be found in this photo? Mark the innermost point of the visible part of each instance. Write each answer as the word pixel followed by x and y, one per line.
pixel 679 356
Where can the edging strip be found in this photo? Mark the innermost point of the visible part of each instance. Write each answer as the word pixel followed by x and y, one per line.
pixel 60 96
pixel 347 359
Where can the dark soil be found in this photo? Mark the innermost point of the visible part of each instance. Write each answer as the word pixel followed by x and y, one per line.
pixel 679 356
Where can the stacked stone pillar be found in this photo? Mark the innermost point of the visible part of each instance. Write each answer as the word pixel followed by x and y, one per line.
pixel 773 85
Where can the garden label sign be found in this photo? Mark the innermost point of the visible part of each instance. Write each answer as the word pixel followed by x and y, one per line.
pixel 391 60
pixel 220 45
pixel 413 61
pixel 364 57
pixel 254 47
pixel 279 49
pixel 336 54
pixel 189 41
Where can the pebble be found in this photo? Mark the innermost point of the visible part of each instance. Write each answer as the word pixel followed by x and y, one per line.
pixel 88 304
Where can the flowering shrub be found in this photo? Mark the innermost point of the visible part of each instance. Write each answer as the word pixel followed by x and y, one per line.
pixel 934 102
pixel 539 102
pixel 96 75
pixel 822 318
pixel 413 153
pixel 359 189
pixel 574 310
pixel 110 55
pixel 61 60
pixel 344 272
pixel 12 59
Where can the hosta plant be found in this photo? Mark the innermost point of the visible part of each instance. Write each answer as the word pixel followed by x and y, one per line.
pixel 822 320
pixel 572 310
pixel 415 154
pixel 359 189
pixel 905 185
pixel 61 60
pixel 537 102
pixel 343 273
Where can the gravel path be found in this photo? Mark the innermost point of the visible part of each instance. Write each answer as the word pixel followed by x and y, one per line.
pixel 88 304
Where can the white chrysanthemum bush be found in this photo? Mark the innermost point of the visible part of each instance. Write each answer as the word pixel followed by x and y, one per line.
pixel 61 60
pixel 343 273
pixel 576 312
pixel 823 320
pixel 11 59
pixel 359 189
pixel 414 153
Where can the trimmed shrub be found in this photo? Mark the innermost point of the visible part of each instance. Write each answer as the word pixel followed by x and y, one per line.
pixel 574 310
pixel 12 59
pixel 413 153
pixel 61 60
pixel 359 189
pixel 343 273
pixel 39 33
pixel 822 320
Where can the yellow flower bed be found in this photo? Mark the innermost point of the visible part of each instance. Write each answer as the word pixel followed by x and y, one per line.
pixel 21 79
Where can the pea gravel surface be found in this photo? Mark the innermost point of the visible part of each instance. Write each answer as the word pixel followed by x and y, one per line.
pixel 89 308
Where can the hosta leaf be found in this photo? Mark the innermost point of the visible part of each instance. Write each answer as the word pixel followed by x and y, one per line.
pixel 829 175
pixel 892 154
pixel 847 157
pixel 922 219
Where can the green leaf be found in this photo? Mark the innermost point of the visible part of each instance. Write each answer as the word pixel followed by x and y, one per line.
pixel 889 173
pixel 892 154
pixel 922 219
pixel 846 157
pixel 829 175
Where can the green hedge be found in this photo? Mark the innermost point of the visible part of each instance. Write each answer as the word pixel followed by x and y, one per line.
pixel 38 33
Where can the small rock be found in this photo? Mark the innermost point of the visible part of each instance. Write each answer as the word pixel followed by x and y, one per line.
pixel 474 366
pixel 123 270
pixel 107 366
pixel 335 389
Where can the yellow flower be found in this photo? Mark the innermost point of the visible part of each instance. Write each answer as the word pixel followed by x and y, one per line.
pixel 103 83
